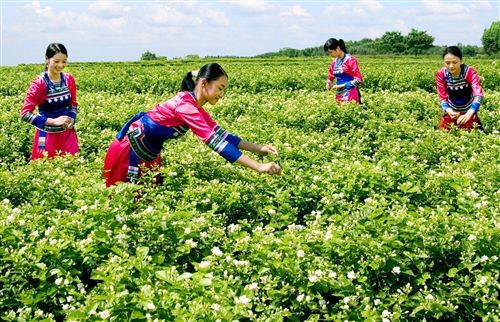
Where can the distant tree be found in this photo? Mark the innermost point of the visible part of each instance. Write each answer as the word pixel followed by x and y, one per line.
pixel 365 46
pixel 469 50
pixel 417 42
pixel 391 42
pixel 148 56
pixel 193 56
pixel 491 38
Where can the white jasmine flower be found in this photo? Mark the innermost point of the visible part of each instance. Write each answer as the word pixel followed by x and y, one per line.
pixel 313 278
pixel 386 314
pixel 59 281
pixel 271 211
pixel 376 302
pixel 150 306
pixel 215 307
pixel 396 270
pixel 429 297
pixel 233 228
pixel 471 237
pixel 252 287
pixel 205 264
pixel 300 253
pixel 484 258
pixel 472 194
pixel 216 251
pixel 104 314
pixel 300 297
pixel 351 275
pixel 242 300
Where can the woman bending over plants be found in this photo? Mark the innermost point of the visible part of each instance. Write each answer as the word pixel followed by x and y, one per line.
pixel 140 140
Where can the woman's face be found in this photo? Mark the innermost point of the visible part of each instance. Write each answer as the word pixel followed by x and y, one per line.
pixel 213 91
pixel 335 53
pixel 452 64
pixel 56 63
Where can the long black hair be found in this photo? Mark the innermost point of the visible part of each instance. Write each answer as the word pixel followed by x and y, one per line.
pixel 454 50
pixel 333 43
pixel 210 72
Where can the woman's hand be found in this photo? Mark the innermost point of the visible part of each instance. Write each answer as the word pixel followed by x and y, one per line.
pixel 462 119
pixel 267 149
pixel 338 87
pixel 70 125
pixel 270 168
pixel 65 121
pixel 452 113
pixel 329 85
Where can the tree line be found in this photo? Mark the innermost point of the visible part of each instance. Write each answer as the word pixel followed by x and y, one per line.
pixel 416 42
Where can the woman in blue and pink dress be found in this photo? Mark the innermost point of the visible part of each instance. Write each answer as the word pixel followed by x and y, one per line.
pixel 138 144
pixel 54 92
pixel 344 68
pixel 459 90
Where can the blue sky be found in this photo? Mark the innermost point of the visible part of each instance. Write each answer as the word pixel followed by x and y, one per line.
pixel 122 30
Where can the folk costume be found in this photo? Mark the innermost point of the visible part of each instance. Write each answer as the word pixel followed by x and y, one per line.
pixel 140 140
pixel 53 99
pixel 460 93
pixel 346 71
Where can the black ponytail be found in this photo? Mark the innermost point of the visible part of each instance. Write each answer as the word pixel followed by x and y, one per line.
pixel 210 72
pixel 342 45
pixel 332 44
pixel 188 83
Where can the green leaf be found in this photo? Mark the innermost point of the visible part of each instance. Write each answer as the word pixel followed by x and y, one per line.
pixel 452 272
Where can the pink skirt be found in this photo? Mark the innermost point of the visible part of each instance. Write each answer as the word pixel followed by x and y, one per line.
pixel 117 160
pixel 350 95
pixel 52 144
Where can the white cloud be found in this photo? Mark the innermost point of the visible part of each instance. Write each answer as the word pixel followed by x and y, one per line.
pixel 165 15
pixel 108 9
pixel 216 18
pixel 250 5
pixel 481 5
pixel 295 12
pixel 45 12
pixel 441 9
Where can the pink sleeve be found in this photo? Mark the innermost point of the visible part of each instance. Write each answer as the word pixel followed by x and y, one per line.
pixel 441 85
pixel 35 95
pixel 72 89
pixel 353 68
pixel 201 125
pixel 331 76
pixel 472 77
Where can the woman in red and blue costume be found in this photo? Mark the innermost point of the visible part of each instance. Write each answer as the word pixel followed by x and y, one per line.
pixel 139 143
pixel 460 92
pixel 344 68
pixel 54 92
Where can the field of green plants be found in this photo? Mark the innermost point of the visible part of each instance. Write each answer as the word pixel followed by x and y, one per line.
pixel 378 216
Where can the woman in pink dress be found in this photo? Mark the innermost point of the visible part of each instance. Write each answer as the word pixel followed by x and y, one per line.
pixel 140 141
pixel 54 92
pixel 459 90
pixel 344 68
